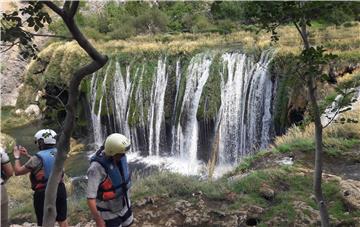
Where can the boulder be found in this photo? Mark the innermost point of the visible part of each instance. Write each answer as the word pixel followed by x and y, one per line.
pixel 350 190
pixel 255 211
pixel 305 214
pixel 39 94
pixel 33 110
pixel 266 192
pixel 19 112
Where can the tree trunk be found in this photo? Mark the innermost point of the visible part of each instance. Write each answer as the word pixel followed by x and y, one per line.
pixel 318 137
pixel 318 155
pixel 67 14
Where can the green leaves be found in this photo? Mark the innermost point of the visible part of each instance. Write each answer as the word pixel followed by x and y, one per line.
pixel 313 61
pixel 13 32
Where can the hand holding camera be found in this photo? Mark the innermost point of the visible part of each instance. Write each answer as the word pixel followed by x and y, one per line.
pixel 20 150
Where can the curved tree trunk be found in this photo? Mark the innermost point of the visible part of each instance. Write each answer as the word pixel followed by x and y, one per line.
pixel 67 13
pixel 310 83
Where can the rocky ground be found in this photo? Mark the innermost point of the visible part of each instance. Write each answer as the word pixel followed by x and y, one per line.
pixel 199 209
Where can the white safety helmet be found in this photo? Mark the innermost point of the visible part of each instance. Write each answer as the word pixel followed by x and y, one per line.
pixel 48 135
pixel 116 144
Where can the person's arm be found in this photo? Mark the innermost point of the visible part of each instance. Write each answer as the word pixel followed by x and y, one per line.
pixel 6 166
pixel 8 170
pixel 94 212
pixel 95 175
pixel 18 168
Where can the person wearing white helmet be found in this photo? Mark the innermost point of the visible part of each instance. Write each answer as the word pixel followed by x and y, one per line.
pixel 39 166
pixel 109 183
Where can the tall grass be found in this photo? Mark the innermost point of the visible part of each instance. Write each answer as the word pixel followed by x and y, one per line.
pixel 336 137
pixel 338 39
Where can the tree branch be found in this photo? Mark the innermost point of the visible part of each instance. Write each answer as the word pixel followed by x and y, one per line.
pixel 54 36
pixel 84 43
pixel 301 34
pixel 332 119
pixel 66 6
pixel 63 143
pixel 9 47
pixel 54 8
pixel 73 8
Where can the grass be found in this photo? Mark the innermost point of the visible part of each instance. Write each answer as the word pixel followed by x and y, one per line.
pixel 289 187
pixel 247 162
pixel 337 137
pixel 175 185
pixel 288 184
pixel 21 199
pixel 339 39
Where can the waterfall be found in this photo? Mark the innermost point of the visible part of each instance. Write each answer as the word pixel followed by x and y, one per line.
pixel 174 115
pixel 244 118
pixel 122 87
pixel 156 112
pixel 243 111
pixel 96 117
pixel 187 134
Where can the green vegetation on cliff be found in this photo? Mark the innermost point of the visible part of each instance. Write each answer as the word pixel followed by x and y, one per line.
pixel 141 54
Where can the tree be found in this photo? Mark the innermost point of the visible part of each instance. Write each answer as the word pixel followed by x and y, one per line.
pixel 269 16
pixel 14 32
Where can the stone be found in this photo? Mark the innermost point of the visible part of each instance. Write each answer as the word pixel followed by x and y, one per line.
pixel 350 191
pixel 231 196
pixel 255 211
pixel 182 204
pixel 19 112
pixel 150 214
pixel 170 222
pixel 231 220
pixel 33 110
pixel 237 177
pixel 39 94
pixel 305 214
pixel 266 192
pixel 288 161
pixel 218 213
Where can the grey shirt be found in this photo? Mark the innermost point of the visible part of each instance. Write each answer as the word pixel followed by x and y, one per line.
pixel 116 207
pixel 34 163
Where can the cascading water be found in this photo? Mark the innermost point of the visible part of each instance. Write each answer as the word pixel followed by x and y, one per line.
pixel 173 130
pixel 122 87
pixel 169 133
pixel 187 135
pixel 244 118
pixel 96 117
pixel 156 113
